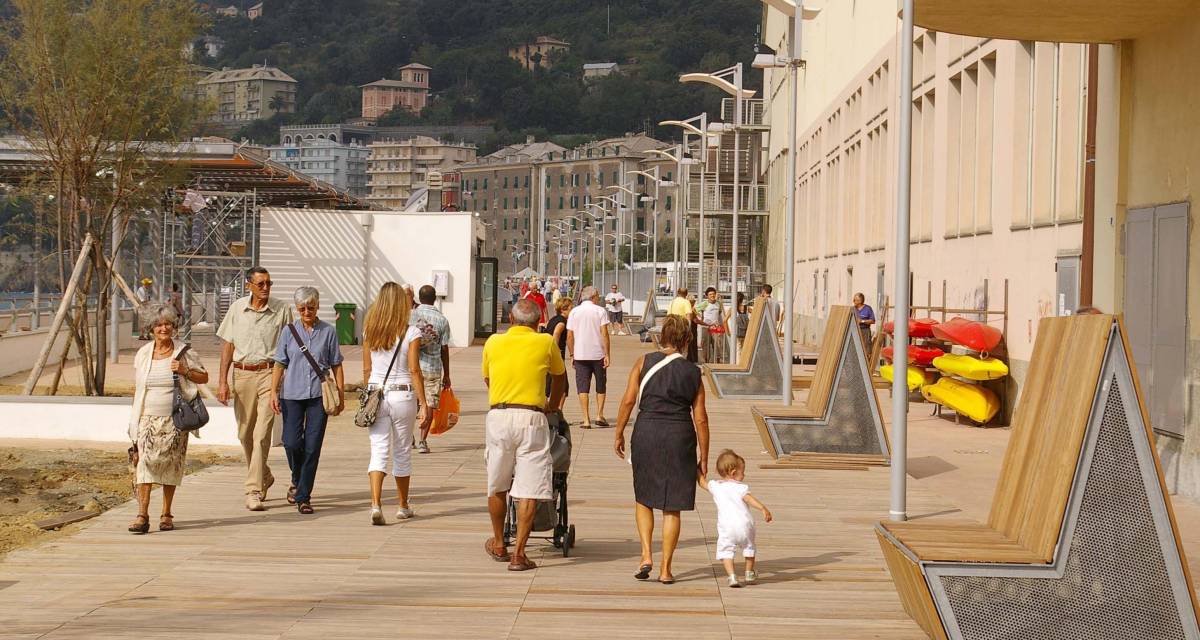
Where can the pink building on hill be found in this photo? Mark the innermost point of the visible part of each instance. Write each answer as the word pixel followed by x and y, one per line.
pixel 411 91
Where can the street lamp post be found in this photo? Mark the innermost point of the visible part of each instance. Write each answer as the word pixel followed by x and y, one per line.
pixel 690 126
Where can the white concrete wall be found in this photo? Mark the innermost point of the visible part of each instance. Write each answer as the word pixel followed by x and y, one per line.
pixel 58 418
pixel 348 255
pixel 20 348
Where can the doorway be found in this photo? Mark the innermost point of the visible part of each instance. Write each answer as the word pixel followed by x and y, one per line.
pixel 486 309
pixel 1156 260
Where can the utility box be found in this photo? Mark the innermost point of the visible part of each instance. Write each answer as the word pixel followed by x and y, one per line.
pixel 345 322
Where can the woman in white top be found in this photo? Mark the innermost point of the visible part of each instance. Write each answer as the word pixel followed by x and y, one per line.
pixel 389 343
pixel 159 449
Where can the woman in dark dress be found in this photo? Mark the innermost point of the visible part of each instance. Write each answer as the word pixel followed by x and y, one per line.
pixel 669 443
pixel 557 328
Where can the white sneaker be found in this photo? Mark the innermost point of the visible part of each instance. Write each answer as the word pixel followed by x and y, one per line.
pixel 733 582
pixel 751 577
pixel 254 501
pixel 377 516
pixel 422 446
pixel 404 513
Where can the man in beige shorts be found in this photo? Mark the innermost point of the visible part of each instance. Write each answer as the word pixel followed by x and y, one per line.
pixel 517 435
pixel 250 330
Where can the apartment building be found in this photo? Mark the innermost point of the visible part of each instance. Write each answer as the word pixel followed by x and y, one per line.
pixel 399 168
pixel 411 92
pixel 516 186
pixel 341 164
pixel 997 171
pixel 244 95
pixel 540 53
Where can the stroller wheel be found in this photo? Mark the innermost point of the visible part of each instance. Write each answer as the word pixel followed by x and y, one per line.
pixel 568 541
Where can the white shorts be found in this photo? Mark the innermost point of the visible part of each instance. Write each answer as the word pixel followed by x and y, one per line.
pixel 518 454
pixel 729 543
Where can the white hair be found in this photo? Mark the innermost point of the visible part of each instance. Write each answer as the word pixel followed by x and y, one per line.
pixel 156 314
pixel 306 295
pixel 588 293
pixel 526 313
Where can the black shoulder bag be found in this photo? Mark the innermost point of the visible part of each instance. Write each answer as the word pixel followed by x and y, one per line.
pixel 187 415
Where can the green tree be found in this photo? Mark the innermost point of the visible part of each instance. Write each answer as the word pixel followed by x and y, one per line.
pixel 100 90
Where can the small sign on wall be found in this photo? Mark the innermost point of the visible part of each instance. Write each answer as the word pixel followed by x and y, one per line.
pixel 441 282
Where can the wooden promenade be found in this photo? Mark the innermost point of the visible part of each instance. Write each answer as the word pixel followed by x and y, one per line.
pixel 230 573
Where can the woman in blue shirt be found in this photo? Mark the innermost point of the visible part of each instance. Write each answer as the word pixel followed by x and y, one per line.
pixel 296 392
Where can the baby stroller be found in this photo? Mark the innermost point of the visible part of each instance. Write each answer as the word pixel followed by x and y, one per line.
pixel 550 516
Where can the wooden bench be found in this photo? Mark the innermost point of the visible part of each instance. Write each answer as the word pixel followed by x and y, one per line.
pixel 647 320
pixel 842 414
pixel 758 373
pixel 1081 540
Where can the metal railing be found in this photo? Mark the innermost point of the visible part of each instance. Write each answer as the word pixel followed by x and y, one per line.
pixel 752 112
pixel 718 198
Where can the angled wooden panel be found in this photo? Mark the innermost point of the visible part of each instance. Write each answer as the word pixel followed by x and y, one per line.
pixel 745 356
pixel 1051 418
pixel 912 589
pixel 763 378
pixel 836 327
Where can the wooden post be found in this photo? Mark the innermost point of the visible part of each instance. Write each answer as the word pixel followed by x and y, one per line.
pixel 63 306
pixel 944 304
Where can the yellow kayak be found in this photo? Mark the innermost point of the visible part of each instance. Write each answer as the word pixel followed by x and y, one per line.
pixel 970 367
pixel 916 377
pixel 970 400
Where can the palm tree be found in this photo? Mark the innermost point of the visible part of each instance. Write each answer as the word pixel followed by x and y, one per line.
pixel 276 103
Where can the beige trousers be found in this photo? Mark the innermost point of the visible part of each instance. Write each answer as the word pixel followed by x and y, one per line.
pixel 252 408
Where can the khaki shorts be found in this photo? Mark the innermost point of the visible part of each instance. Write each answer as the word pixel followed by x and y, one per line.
pixel 433 388
pixel 518 454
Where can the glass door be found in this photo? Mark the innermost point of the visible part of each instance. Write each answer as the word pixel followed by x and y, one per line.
pixel 485 296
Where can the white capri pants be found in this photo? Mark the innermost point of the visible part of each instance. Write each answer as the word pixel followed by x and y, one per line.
pixel 728 542
pixel 392 430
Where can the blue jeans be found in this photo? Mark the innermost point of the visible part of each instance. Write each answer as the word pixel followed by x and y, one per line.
pixel 303 432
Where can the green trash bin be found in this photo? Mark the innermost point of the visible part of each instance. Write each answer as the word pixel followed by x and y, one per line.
pixel 345 322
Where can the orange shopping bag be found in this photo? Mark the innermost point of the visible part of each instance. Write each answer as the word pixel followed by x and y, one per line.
pixel 446 415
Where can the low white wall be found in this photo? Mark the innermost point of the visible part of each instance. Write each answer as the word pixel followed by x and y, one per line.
pixel 95 419
pixel 348 255
pixel 20 348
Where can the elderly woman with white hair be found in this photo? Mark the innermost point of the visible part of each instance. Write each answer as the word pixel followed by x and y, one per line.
pixel 296 391
pixel 159 449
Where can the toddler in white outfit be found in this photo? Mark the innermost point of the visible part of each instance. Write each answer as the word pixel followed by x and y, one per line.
pixel 735 524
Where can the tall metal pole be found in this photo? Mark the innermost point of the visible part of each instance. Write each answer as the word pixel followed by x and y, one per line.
pixel 899 507
pixel 737 123
pixel 657 182
pixel 541 226
pixel 789 224
pixel 703 195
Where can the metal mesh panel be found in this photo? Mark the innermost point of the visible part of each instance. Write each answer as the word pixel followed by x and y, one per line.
pixel 1115 584
pixel 763 379
pixel 851 425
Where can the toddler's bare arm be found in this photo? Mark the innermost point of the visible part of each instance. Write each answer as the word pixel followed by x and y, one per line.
pixel 752 501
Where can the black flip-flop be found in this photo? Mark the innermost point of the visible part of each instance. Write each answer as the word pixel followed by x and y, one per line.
pixel 667 581
pixel 602 422
pixel 585 425
pixel 643 572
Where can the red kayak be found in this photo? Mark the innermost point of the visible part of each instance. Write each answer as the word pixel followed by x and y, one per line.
pixel 921 356
pixel 969 333
pixel 917 327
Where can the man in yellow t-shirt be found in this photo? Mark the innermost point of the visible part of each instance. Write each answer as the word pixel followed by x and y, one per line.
pixel 517 435
pixel 682 307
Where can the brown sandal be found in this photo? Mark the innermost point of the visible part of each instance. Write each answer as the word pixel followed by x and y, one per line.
pixel 291 495
pixel 490 547
pixel 140 524
pixel 305 508
pixel 166 522
pixel 521 563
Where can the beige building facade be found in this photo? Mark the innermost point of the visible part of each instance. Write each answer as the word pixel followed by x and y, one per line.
pixel 244 95
pixel 411 92
pixel 398 168
pixel 997 171
pixel 540 53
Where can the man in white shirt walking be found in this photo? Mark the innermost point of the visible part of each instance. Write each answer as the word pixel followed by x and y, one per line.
pixel 614 303
pixel 588 343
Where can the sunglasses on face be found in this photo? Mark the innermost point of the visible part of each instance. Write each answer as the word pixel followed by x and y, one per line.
pixel 265 284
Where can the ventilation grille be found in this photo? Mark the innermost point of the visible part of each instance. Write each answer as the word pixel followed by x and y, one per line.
pixel 851 426
pixel 1115 584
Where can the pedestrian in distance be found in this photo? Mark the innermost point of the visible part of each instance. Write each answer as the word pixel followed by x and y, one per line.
pixel 742 319
pixel 159 450
pixel 711 317
pixel 770 306
pixel 735 523
pixel 435 356
pixel 614 303
pixel 516 432
pixel 557 328
pixel 865 316
pixel 669 446
pixel 307 353
pixel 144 295
pixel 251 330
pixel 588 344
pixel 392 362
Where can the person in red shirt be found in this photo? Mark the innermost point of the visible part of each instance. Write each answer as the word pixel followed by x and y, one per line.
pixel 540 300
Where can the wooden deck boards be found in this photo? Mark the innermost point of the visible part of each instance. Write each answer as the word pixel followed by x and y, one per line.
pixel 230 573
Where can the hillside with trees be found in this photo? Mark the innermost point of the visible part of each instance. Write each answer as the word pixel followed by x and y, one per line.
pixel 333 47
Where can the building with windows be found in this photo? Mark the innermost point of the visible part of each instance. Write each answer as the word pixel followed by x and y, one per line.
pixel 411 92
pixel 997 172
pixel 243 95
pixel 397 169
pixel 595 70
pixel 341 164
pixel 515 187
pixel 255 12
pixel 539 54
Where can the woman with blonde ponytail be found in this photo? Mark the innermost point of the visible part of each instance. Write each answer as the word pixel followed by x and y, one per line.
pixel 391 361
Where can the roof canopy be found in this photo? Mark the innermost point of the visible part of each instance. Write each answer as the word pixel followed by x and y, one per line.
pixel 1052 20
